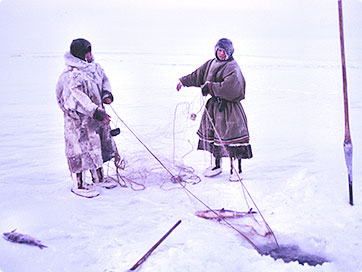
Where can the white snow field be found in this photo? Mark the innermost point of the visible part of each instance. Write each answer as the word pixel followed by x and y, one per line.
pixel 290 57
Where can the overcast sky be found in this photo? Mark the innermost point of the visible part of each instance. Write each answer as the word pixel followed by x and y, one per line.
pixel 116 25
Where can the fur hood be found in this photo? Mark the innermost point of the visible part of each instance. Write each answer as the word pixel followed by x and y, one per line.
pixel 227 46
pixel 72 61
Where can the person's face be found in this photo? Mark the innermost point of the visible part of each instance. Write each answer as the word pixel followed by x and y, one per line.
pixel 221 54
pixel 88 57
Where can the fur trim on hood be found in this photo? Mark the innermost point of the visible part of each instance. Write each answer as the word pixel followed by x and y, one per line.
pixel 72 61
pixel 226 45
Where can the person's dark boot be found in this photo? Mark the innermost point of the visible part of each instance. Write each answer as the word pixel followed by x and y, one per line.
pixel 80 188
pixel 235 173
pixel 98 179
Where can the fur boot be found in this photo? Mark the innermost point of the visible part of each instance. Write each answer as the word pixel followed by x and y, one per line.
pixel 235 171
pixel 83 189
pixel 214 169
pixel 99 179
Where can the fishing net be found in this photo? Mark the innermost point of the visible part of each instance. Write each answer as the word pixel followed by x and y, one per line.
pixel 137 170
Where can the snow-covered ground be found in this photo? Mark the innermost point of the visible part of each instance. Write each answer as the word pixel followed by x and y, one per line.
pixel 294 105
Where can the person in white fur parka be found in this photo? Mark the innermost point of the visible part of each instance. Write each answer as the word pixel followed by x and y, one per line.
pixel 81 91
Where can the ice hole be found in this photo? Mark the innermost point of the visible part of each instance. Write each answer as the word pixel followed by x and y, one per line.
pixel 292 253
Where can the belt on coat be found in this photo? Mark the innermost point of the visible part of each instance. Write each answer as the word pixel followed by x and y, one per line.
pixel 220 101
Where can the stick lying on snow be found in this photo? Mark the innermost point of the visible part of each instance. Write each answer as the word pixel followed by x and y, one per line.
pixel 154 247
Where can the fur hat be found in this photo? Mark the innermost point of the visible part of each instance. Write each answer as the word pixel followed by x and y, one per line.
pixel 226 45
pixel 79 48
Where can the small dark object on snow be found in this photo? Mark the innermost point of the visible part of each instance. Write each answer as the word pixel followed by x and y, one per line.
pixel 20 238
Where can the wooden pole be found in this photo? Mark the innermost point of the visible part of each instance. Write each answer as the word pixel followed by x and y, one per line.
pixel 348 148
pixel 140 261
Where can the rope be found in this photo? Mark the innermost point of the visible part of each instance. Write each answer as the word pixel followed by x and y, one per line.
pixel 180 181
pixel 123 180
pixel 192 116
pixel 240 180
pixel 134 134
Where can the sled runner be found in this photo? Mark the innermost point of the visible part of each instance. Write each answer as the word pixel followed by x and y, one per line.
pixel 222 213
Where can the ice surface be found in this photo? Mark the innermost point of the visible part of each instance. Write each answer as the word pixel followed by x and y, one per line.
pixel 294 106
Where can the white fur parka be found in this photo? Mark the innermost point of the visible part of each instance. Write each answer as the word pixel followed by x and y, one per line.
pixel 80 90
